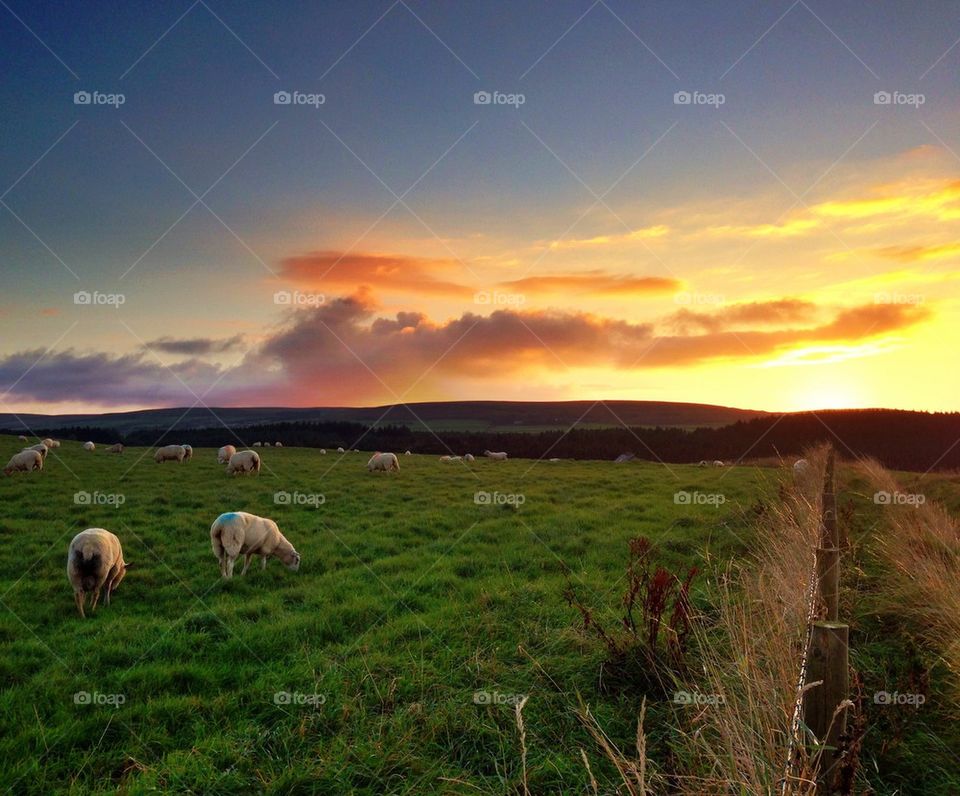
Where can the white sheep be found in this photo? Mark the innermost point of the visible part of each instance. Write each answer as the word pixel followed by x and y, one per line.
pixel 244 462
pixel 718 463
pixel 24 462
pixel 224 454
pixel 118 448
pixel 384 462
pixel 238 533
pixel 499 456
pixel 339 450
pixel 277 444
pixel 407 453
pixel 257 444
pixel 323 451
pixel 468 457
pixel 55 443
pixel 48 442
pixel 702 463
pixel 554 460
pixel 39 448
pixel 89 446
pixel 187 452
pixel 22 438
pixel 170 453
pixel 95 560
pixel 266 444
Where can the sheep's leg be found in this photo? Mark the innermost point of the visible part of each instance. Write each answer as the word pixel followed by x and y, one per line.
pixel 78 599
pixel 246 563
pixel 223 564
pixel 263 562
pixel 96 599
pixel 231 560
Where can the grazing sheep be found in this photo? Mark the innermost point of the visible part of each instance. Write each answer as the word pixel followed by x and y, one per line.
pixel 238 533
pixel 48 442
pixel 22 438
pixel 702 463
pixel 55 443
pixel 89 446
pixel 323 451
pixel 170 453
pixel 224 454
pixel 718 463
pixel 356 450
pixel 451 458
pixel 24 462
pixel 553 460
pixel 339 450
pixel 187 452
pixel 39 448
pixel 266 444
pixel 95 560
pixel 408 454
pixel 257 444
pixel 118 448
pixel 499 456
pixel 277 444
pixel 384 462
pixel 244 462
pixel 468 457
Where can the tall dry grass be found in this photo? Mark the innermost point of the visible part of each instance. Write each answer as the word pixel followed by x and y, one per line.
pixel 751 655
pixel 921 544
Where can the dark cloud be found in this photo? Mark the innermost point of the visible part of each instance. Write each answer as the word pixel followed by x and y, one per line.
pixel 195 346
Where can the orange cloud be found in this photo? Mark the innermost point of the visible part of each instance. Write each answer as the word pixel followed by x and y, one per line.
pixel 597 283
pixel 911 254
pixel 645 233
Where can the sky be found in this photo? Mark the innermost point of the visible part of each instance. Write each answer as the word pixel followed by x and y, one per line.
pixel 753 204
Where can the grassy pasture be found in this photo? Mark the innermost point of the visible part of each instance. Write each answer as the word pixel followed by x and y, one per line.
pixel 411 598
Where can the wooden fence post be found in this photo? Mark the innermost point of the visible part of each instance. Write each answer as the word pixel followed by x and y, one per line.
pixel 828 664
pixel 830 536
pixel 828 553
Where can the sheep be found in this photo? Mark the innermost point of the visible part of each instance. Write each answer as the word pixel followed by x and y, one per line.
pixel 407 453
pixel 266 444
pixel 244 462
pixel 24 462
pixel 48 442
pixel 718 463
pixel 554 460
pixel 499 456
pixel 451 458
pixel 89 446
pixel 238 533
pixel 257 444
pixel 187 452
pixel 383 462
pixel 277 444
pixel 224 454
pixel 468 457
pixel 702 463
pixel 55 443
pixel 339 450
pixel 356 450
pixel 22 438
pixel 170 453
pixel 39 448
pixel 118 448
pixel 323 451
pixel 95 560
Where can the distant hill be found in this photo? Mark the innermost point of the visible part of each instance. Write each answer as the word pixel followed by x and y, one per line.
pixel 489 416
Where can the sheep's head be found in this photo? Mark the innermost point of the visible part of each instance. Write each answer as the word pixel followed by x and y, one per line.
pixel 8 471
pixel 290 559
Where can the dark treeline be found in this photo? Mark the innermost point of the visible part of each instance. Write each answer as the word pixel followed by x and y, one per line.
pixel 902 440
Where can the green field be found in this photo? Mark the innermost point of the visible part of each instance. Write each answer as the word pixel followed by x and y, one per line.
pixel 410 599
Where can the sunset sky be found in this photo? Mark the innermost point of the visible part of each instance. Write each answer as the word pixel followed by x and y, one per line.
pixel 787 240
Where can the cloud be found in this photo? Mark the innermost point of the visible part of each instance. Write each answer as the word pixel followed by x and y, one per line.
pixel 746 315
pixel 912 254
pixel 645 233
pixel 195 346
pixel 596 283
pixel 332 269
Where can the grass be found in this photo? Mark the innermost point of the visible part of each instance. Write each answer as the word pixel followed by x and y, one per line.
pixel 412 599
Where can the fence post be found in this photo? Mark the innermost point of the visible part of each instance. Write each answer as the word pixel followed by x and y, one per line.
pixel 830 535
pixel 828 664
